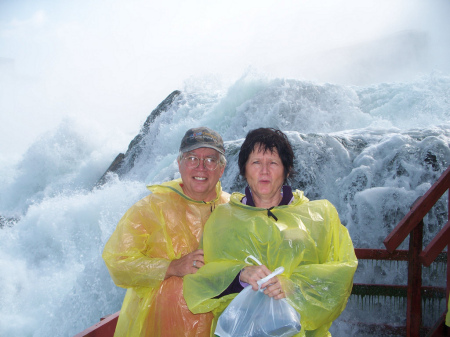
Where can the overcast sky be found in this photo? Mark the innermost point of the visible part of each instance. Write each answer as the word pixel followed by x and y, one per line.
pixel 112 62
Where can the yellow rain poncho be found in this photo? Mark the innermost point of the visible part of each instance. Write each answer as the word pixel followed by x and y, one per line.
pixel 163 226
pixel 308 240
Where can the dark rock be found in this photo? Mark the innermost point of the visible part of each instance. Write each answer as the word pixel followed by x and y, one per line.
pixel 112 168
pixel 7 222
pixel 125 162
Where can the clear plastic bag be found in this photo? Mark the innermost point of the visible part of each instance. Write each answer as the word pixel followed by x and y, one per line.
pixel 253 314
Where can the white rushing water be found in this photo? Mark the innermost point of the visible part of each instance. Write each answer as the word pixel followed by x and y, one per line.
pixel 371 150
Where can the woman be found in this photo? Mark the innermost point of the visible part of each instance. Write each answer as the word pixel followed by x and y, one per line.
pixel 281 228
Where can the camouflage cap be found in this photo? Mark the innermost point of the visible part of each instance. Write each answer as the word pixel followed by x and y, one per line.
pixel 202 137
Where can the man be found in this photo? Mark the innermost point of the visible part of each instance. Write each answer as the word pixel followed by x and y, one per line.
pixel 156 243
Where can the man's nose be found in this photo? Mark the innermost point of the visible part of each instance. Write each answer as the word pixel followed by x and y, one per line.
pixel 201 164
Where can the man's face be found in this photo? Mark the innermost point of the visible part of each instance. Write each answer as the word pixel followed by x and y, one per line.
pixel 199 183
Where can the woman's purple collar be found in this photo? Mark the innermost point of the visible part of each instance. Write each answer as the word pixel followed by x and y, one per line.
pixel 285 200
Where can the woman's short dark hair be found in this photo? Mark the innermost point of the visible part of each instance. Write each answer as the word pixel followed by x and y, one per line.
pixel 267 139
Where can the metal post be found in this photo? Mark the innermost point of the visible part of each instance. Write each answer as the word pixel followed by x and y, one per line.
pixel 448 254
pixel 414 298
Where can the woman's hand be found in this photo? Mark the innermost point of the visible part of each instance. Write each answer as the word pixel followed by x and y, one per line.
pixel 188 264
pixel 273 288
pixel 252 274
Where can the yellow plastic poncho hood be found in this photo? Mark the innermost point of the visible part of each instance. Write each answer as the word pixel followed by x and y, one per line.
pixel 163 226
pixel 308 240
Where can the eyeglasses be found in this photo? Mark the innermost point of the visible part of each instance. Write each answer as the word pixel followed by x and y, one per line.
pixel 210 163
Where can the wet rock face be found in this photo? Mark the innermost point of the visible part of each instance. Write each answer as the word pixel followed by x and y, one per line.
pixel 7 222
pixel 125 162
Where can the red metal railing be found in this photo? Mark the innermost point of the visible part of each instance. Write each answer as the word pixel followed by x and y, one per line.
pixel 411 224
pixel 398 291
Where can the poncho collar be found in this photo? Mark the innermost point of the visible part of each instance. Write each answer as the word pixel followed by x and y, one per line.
pixel 286 192
pixel 174 186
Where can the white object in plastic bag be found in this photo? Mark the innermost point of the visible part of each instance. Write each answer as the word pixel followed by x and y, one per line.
pixel 253 314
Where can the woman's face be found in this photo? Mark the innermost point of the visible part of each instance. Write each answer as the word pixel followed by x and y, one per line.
pixel 264 172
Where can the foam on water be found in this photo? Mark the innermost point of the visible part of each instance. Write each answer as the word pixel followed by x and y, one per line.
pixel 50 266
pixel 370 150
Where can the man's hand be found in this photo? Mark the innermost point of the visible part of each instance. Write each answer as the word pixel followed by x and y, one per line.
pixel 188 264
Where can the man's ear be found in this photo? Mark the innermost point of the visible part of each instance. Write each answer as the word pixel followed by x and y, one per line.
pixel 223 170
